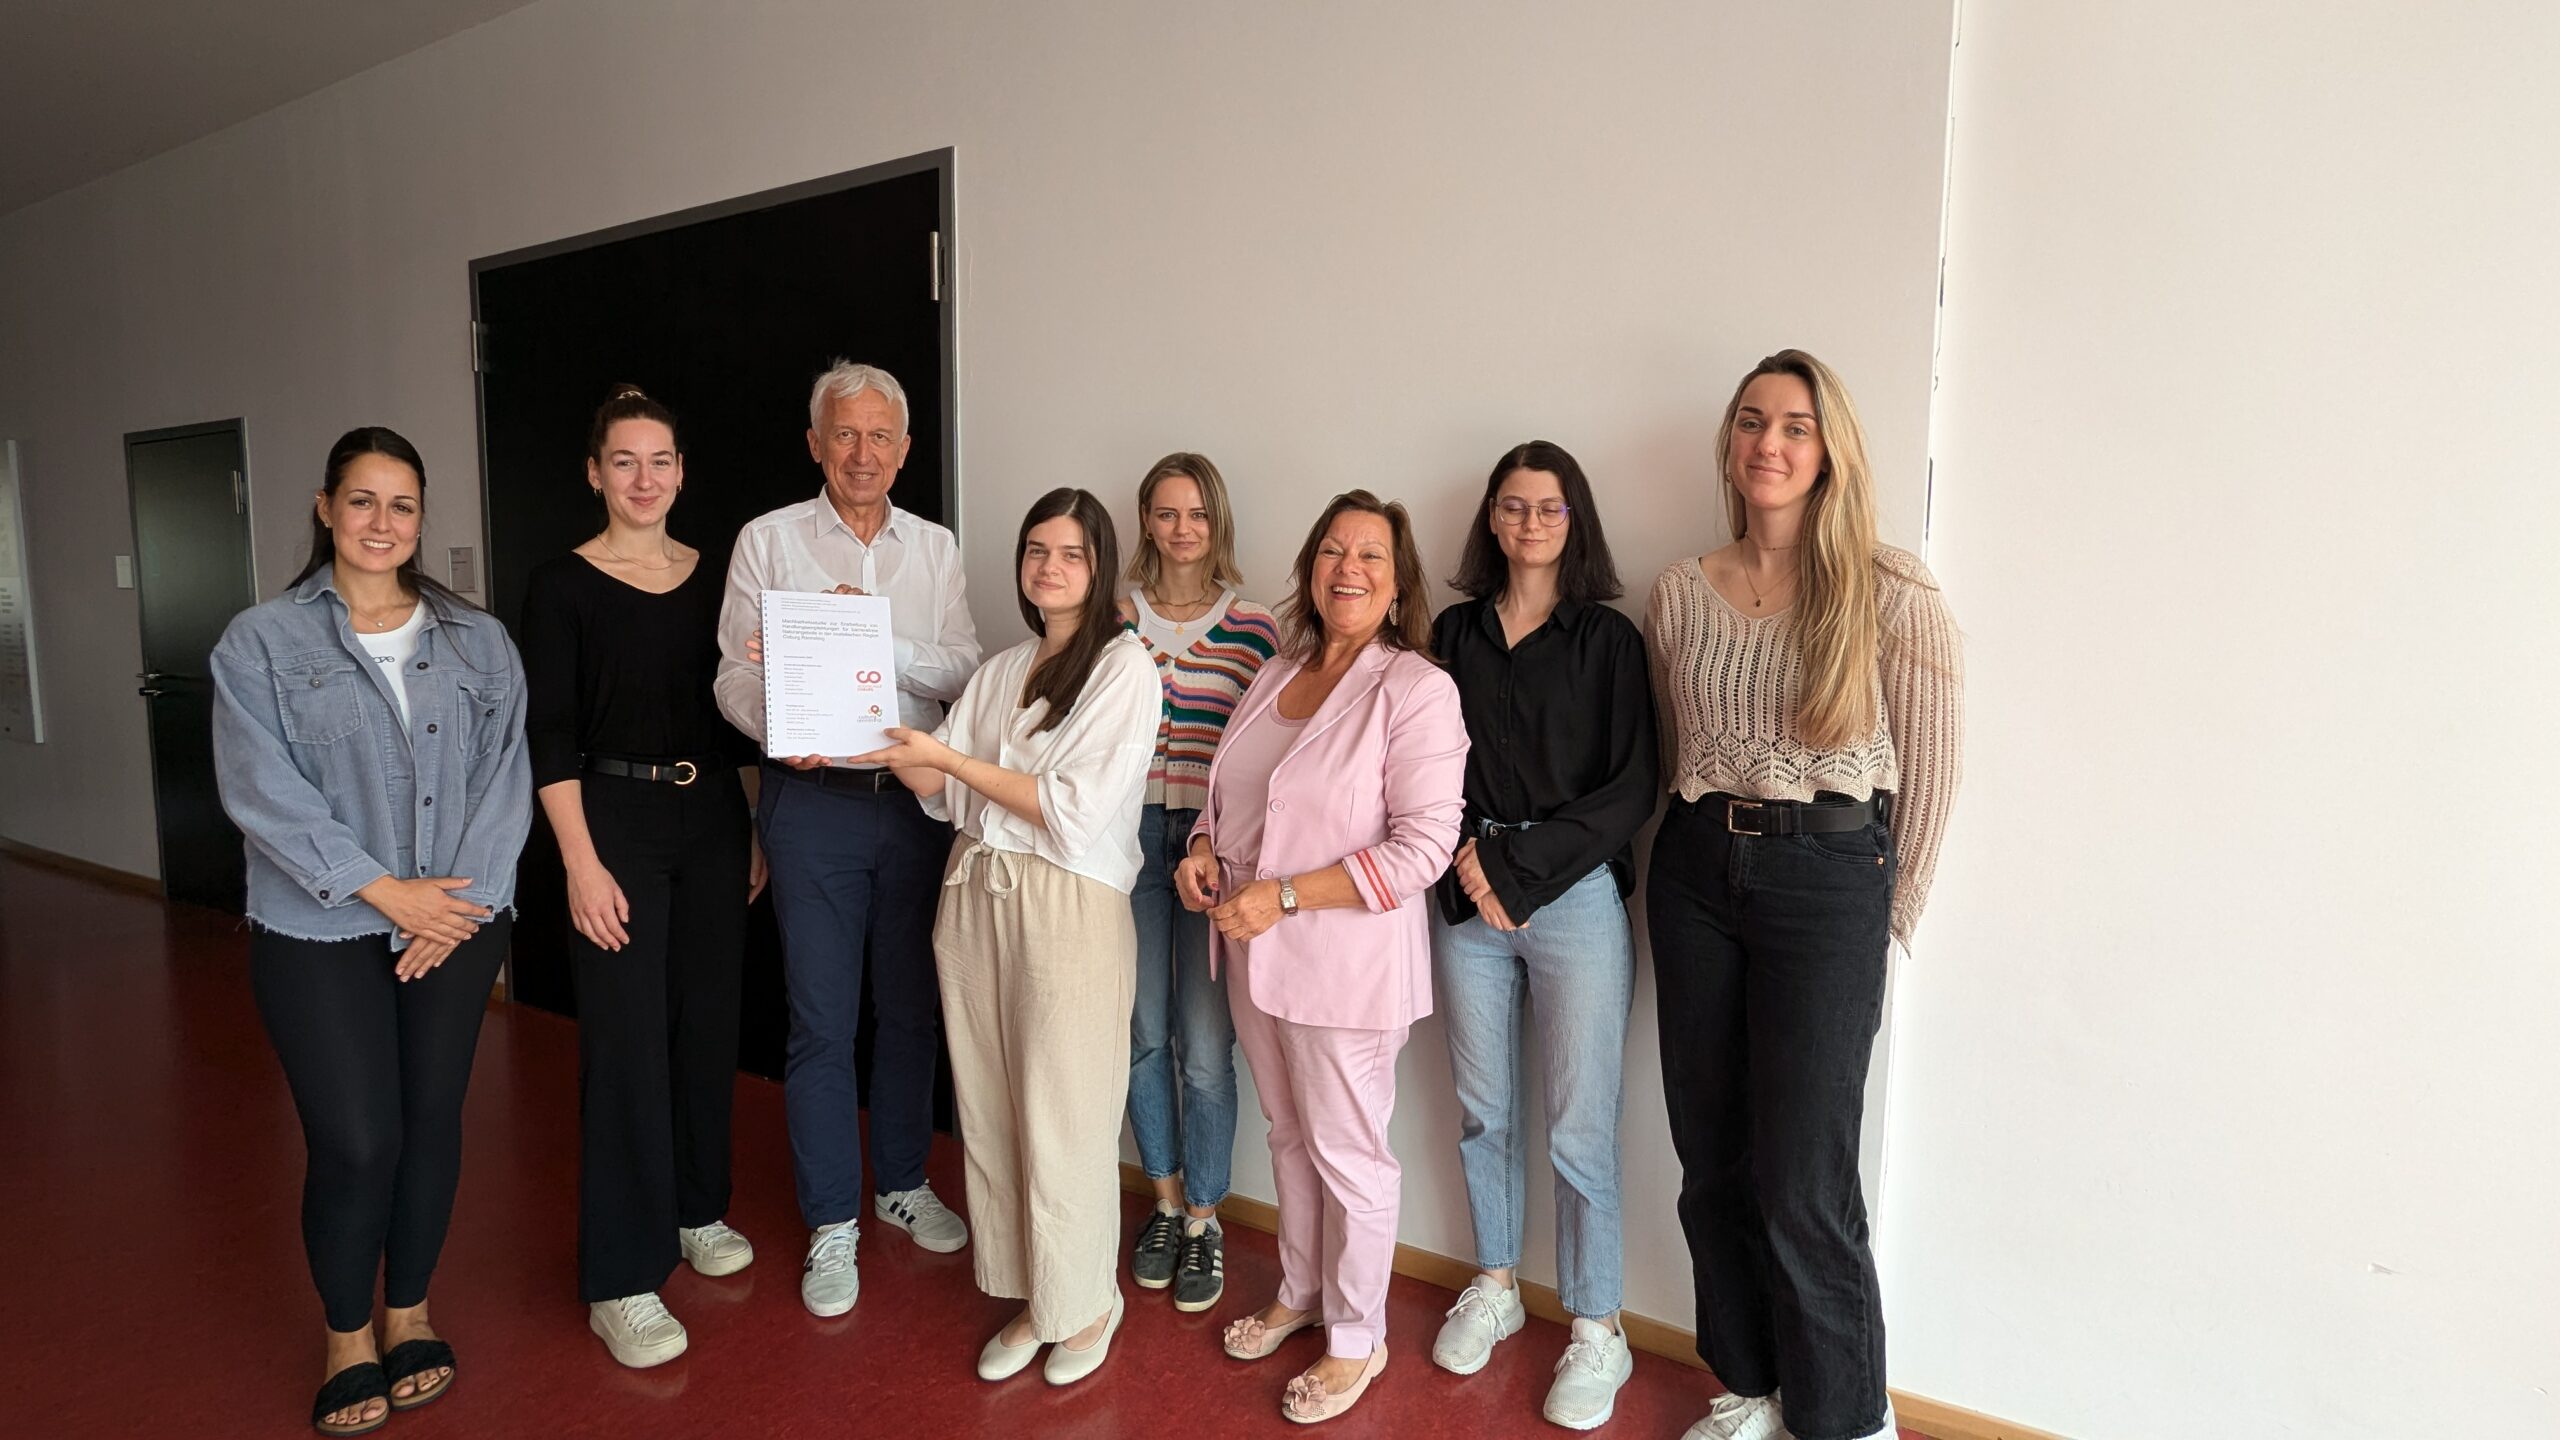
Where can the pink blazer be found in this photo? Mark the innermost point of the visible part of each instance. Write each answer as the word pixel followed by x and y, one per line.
pixel 1374 784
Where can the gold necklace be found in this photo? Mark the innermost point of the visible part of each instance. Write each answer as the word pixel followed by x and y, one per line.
pixel 607 546
pixel 1758 597
pixel 392 622
pixel 1180 627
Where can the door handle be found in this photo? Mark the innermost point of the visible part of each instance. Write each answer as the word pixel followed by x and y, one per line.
pixel 146 692
pixel 151 677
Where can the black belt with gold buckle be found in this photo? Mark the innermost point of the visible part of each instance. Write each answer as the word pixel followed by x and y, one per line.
pixel 682 772
pixel 1746 816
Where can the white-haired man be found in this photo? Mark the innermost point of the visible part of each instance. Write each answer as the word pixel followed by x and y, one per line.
pixel 856 864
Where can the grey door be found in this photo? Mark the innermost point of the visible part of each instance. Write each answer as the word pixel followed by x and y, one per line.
pixel 192 568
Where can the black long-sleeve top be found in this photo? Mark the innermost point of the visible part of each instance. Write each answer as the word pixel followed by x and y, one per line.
pixel 1561 732
pixel 611 669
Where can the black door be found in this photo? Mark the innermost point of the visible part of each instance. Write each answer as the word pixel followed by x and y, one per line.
pixel 193 573
pixel 726 315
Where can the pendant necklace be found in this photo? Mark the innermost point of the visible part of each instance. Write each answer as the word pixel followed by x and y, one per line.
pixel 1758 597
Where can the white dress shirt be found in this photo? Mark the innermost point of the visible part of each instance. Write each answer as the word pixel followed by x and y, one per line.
pixel 1092 768
pixel 808 547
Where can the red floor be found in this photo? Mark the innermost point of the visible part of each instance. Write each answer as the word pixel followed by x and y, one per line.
pixel 150 1189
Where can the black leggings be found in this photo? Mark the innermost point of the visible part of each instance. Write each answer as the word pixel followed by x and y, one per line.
pixel 378 1070
pixel 658 1025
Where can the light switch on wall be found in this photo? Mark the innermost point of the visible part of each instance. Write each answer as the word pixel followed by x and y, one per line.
pixel 124 572
pixel 458 569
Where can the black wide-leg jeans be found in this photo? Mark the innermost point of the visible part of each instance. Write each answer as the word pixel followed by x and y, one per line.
pixel 658 1025
pixel 1769 963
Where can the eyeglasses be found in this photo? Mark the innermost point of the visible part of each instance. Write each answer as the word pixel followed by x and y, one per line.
pixel 1517 512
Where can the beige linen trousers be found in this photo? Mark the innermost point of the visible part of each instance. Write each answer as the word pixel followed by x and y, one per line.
pixel 1039 970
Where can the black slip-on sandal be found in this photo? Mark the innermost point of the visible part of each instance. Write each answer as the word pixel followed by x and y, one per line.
pixel 348 1390
pixel 412 1358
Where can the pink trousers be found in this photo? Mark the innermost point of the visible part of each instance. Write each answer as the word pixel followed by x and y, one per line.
pixel 1328 1094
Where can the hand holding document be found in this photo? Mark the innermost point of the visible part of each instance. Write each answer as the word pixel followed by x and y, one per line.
pixel 830 685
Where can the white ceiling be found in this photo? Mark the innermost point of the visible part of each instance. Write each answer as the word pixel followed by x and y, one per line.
pixel 88 87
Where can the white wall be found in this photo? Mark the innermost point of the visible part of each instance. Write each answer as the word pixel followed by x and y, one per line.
pixel 1329 244
pixel 2225 1100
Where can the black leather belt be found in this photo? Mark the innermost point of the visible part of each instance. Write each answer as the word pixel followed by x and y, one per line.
pixel 1837 815
pixel 681 772
pixel 838 777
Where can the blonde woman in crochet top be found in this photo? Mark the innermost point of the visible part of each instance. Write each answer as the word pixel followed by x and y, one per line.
pixel 1810 693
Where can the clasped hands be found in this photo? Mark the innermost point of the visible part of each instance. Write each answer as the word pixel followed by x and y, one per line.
pixel 428 914
pixel 1250 911
pixel 1470 871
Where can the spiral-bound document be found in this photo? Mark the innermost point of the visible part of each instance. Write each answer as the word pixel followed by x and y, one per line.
pixel 830 684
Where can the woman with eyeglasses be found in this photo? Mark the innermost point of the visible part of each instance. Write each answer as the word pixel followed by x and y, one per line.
pixel 1562 771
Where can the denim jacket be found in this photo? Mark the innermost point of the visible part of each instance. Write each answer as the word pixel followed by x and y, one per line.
pixel 332 794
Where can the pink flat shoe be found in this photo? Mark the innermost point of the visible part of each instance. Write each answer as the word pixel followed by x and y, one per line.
pixel 1250 1339
pixel 1306 1401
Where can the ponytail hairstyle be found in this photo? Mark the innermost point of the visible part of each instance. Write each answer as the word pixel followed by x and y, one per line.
pixel 392 445
pixel 1837 623
pixel 1060 678
pixel 628 402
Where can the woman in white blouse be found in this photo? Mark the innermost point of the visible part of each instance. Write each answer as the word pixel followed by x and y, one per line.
pixel 1042 768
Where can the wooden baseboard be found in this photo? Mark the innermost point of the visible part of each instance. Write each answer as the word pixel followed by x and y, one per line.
pixel 1954 1422
pixel 1933 1418
pixel 85 869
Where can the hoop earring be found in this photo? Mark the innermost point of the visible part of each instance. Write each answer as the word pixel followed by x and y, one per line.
pixel 1395 610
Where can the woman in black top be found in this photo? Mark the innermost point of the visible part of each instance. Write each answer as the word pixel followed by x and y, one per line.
pixel 1561 772
pixel 639 776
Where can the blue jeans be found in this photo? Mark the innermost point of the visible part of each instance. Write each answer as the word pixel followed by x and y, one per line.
pixel 856 878
pixel 1575 961
pixel 1181 1022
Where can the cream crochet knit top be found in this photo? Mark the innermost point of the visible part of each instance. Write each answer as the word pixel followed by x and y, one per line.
pixel 1727 685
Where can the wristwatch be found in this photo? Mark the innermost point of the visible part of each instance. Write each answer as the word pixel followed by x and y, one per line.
pixel 1288 895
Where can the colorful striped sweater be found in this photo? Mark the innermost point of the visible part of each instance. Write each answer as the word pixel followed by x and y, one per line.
pixel 1202 684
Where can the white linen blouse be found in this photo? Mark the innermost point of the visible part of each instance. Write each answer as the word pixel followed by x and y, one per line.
pixel 1092 768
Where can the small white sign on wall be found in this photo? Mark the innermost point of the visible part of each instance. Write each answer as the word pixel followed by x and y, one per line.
pixel 21 707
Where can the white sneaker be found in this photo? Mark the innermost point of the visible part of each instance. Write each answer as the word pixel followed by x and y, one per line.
pixel 828 1280
pixel 637 1329
pixel 1738 1417
pixel 1487 1313
pixel 715 1249
pixel 922 1214
pixel 1588 1375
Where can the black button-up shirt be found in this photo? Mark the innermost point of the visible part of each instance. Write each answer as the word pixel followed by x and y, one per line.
pixel 1560 732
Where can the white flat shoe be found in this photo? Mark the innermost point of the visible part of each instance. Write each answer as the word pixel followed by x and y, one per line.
pixel 637 1329
pixel 715 1249
pixel 1066 1366
pixel 999 1361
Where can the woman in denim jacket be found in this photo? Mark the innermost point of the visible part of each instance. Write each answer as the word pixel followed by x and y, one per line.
pixel 368 732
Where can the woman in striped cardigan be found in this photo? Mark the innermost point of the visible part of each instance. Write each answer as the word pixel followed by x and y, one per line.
pixel 1208 643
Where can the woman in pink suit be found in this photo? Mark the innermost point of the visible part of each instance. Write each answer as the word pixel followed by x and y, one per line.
pixel 1334 803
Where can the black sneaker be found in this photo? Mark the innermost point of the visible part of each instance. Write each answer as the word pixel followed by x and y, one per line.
pixel 1152 1263
pixel 1201 1276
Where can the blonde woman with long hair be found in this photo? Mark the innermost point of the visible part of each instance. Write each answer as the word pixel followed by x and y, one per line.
pixel 1809 684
